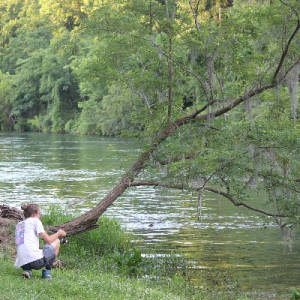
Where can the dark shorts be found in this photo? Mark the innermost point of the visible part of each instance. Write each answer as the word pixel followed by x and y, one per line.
pixel 46 261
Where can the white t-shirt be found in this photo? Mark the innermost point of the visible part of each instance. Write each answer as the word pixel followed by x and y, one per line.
pixel 27 241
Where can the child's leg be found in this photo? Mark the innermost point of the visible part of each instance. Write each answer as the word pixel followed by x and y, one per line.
pixel 56 246
pixel 26 271
pixel 26 267
pixel 50 253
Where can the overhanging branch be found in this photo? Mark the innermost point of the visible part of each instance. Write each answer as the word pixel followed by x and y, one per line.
pixel 210 189
pixel 285 51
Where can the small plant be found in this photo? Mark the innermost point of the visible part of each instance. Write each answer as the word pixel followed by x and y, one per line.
pixel 129 261
pixel 55 215
pixel 295 294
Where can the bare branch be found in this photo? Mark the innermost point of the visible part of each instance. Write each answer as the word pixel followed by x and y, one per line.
pixel 210 189
pixel 240 203
pixel 170 81
pixel 279 183
pixel 288 71
pixel 237 102
pixel 181 67
pixel 285 51
pixel 195 12
pixel 292 8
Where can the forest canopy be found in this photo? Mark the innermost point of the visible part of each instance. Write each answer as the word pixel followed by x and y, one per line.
pixel 210 86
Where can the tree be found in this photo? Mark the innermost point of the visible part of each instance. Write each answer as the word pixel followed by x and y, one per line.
pixel 203 137
pixel 36 50
pixel 5 105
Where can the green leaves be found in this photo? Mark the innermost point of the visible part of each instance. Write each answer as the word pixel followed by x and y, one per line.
pixel 132 67
pixel 5 103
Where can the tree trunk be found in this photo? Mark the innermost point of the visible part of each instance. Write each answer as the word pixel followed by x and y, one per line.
pixel 89 219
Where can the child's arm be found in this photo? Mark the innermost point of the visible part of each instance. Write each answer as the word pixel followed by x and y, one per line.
pixel 49 239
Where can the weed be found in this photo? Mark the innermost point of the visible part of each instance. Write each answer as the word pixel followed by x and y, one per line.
pixel 129 262
pixel 295 294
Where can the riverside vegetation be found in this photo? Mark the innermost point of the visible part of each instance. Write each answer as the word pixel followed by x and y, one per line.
pixel 103 264
pixel 210 87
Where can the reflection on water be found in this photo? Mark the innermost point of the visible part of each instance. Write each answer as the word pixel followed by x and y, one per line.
pixel 47 168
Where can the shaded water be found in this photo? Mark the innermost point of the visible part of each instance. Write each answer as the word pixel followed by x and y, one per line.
pixel 64 169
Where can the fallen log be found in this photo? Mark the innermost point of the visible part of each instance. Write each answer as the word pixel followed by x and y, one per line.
pixel 11 213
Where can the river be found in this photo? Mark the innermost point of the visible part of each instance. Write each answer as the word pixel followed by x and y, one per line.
pixel 76 171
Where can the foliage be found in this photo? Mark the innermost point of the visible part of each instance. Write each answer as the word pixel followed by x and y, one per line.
pixel 128 261
pixel 135 67
pixel 5 105
pixel 54 215
pixel 109 237
pixel 295 294
pixel 47 43
pixel 45 93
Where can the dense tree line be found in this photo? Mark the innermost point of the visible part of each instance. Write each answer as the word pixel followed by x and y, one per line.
pixel 47 50
pixel 211 87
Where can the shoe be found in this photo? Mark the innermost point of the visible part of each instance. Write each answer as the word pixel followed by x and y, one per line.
pixel 46 274
pixel 26 273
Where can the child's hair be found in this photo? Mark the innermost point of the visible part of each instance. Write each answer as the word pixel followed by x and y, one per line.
pixel 30 209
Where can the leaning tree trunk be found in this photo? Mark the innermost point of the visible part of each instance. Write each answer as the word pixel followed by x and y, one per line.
pixel 89 219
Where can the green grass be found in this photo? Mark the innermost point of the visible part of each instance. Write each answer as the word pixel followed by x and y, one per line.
pixel 78 284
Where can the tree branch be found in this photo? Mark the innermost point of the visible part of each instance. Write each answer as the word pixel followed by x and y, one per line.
pixel 240 203
pixel 288 71
pixel 195 13
pixel 285 51
pixel 210 189
pixel 235 103
pixel 156 46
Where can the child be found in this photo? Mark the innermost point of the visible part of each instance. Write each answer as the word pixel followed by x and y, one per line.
pixel 29 256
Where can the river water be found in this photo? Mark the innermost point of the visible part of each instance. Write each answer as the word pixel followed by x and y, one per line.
pixel 76 171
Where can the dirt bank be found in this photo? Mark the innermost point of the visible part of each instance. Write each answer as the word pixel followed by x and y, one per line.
pixel 7 243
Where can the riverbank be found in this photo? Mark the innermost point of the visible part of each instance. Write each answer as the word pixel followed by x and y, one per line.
pixel 79 284
pixel 101 264
pixel 77 172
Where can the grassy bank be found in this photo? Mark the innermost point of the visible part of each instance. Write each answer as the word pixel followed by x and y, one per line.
pixel 80 284
pixel 103 264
